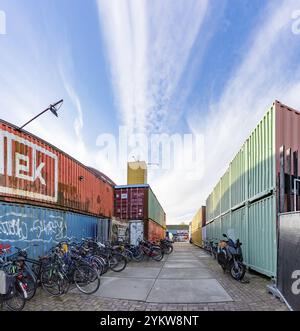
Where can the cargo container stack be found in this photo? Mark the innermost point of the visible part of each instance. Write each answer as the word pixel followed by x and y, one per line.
pixel 258 185
pixel 197 225
pixel 139 205
pixel 45 194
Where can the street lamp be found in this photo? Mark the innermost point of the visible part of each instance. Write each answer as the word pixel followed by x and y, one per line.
pixel 53 108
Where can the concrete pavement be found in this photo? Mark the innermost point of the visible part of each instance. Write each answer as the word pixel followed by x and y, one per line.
pixel 180 278
pixel 252 296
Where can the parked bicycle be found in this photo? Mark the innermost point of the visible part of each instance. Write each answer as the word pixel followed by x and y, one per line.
pixel 151 251
pixel 13 291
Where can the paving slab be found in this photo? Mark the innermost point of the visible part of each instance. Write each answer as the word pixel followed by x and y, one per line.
pixel 180 259
pixel 135 272
pixel 202 255
pixel 146 264
pixel 125 288
pixel 183 265
pixel 187 273
pixel 188 291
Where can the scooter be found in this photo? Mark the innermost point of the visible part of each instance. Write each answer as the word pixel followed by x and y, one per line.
pixel 230 257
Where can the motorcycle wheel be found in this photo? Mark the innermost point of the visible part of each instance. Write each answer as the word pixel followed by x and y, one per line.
pixel 239 272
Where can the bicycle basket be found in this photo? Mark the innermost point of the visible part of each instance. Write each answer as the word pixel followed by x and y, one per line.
pixel 6 282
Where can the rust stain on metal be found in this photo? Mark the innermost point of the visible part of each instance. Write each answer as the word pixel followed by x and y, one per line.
pixel 33 171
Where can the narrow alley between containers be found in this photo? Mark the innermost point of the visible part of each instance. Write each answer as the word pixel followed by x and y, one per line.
pixel 188 279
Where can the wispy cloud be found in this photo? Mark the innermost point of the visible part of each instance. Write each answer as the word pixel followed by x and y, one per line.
pixel 149 44
pixel 267 72
pixel 263 76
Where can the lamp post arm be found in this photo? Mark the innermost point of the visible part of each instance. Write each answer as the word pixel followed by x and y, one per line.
pixel 41 113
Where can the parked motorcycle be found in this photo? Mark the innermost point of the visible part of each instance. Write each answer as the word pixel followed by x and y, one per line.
pixel 230 257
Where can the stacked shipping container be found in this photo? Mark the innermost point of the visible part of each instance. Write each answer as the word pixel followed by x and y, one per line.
pixel 136 173
pixel 197 223
pixel 32 171
pixel 46 194
pixel 246 197
pixel 138 202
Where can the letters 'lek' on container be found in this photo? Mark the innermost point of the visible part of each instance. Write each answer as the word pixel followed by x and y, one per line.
pixel 34 172
pixel 252 187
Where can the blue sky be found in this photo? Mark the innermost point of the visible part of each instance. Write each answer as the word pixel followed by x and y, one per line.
pixel 172 66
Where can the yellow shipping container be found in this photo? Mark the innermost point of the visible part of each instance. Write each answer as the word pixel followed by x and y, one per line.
pixel 136 173
pixel 196 226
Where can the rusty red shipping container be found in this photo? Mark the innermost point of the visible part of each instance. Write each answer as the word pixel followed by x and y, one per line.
pixel 131 202
pixel 35 172
pixel 153 231
pixel 287 131
pixel 138 202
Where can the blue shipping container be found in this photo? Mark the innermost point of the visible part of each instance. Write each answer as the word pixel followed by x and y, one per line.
pixel 42 228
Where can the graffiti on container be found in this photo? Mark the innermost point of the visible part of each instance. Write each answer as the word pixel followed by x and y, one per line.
pixel 19 227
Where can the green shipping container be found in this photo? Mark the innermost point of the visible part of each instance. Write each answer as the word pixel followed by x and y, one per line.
pixel 252 172
pixel 253 188
pixel 155 210
pixel 238 178
pixel 255 226
pixel 225 192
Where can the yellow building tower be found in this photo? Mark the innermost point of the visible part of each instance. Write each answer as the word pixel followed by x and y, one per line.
pixel 136 172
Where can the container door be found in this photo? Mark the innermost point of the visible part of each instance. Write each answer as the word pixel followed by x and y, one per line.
pixel 136 232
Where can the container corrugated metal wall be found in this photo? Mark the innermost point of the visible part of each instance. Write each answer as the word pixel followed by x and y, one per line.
pixel 35 172
pixel 225 192
pixel 104 230
pixel 253 174
pixel 24 225
pixel 261 156
pixel 238 178
pixel 136 231
pixel 133 202
pixel 209 208
pixel 153 231
pixel 119 230
pixel 217 199
pixel 155 210
pixel 239 222
pixel 136 173
pixel 262 236
pixel 255 226
pixel 287 130
pixel 214 229
pixel 196 226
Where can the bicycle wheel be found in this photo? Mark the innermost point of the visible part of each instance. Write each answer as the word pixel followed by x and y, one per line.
pixel 169 249
pixel 117 262
pixel 137 255
pixel 16 300
pixel 97 264
pixel 86 279
pixel 157 254
pixel 53 282
pixel 31 285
